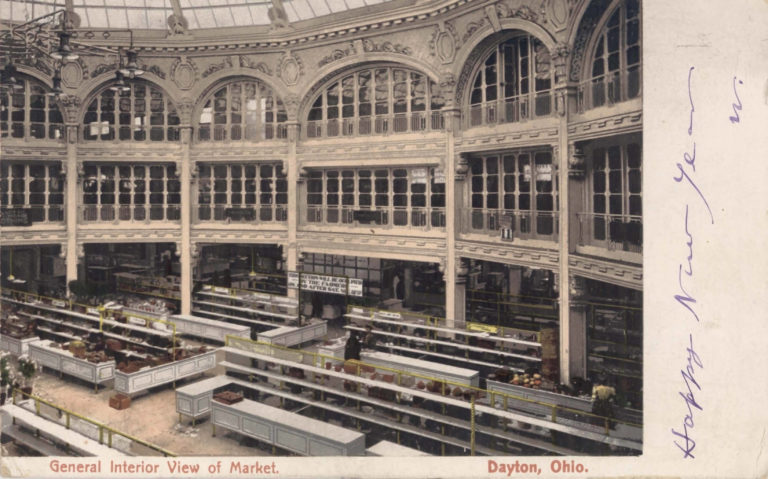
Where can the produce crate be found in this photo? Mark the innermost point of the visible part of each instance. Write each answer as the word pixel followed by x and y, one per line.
pixel 120 401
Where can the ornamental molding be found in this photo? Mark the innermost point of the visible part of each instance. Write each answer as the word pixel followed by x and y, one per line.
pixel 625 122
pixel 27 152
pixel 508 254
pixel 338 54
pixel 369 46
pixel 212 152
pixel 128 232
pixel 444 42
pixel 184 73
pixel 123 152
pixel 70 108
pixel 73 73
pixel 585 30
pixel 153 69
pixel 289 68
pixel 26 237
pixel 103 68
pixel 346 152
pixel 361 243
pixel 607 271
pixel 226 63
pixel 250 63
pixel 474 140
pixel 203 235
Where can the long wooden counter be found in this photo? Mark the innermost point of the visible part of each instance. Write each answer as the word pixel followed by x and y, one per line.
pixel 15 346
pixel 132 383
pixel 208 328
pixel 287 430
pixel 63 361
pixel 453 374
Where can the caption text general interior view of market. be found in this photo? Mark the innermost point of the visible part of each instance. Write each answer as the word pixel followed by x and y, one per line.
pixel 321 227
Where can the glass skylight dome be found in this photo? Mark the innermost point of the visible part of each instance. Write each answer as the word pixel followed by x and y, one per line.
pixel 153 14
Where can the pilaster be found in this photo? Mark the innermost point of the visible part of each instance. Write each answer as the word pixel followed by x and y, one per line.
pixel 291 250
pixel 71 194
pixel 453 311
pixel 183 248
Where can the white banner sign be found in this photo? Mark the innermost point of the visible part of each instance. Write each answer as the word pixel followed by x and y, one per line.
pixel 326 284
pixel 419 176
pixel 59 303
pixel 439 176
pixel 93 311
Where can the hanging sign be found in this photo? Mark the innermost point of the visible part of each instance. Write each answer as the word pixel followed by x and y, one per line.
pixel 93 311
pixel 439 176
pixel 419 176
pixel 221 290
pixel 544 172
pixel 326 284
pixel 59 303
pixel 355 287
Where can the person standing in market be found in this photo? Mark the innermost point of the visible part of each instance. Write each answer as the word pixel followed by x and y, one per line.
pixel 602 400
pixel 369 341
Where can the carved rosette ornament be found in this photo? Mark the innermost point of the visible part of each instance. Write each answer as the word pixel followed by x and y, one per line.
pixel 70 108
pixel 73 72
pixel 462 166
pixel 291 103
pixel 576 163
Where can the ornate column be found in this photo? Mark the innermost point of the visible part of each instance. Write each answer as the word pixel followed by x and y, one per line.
pixel 184 247
pixel 291 249
pixel 70 106
pixel 460 292
pixel 577 364
pixel 452 119
pixel 564 97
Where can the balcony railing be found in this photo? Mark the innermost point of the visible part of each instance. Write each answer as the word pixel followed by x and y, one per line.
pixel 418 217
pixel 267 131
pixel 131 213
pixel 609 89
pixel 241 214
pixel 376 125
pixel 28 215
pixel 509 110
pixel 511 224
pixel 612 232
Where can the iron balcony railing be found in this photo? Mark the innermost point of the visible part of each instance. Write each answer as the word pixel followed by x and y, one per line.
pixel 376 125
pixel 511 224
pixel 28 215
pixel 265 131
pixel 418 217
pixel 241 214
pixel 130 213
pixel 612 232
pixel 609 89
pixel 509 110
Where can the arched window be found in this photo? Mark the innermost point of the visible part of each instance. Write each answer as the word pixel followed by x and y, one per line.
pixel 513 84
pixel 140 113
pixel 376 101
pixel 29 113
pixel 242 110
pixel 616 68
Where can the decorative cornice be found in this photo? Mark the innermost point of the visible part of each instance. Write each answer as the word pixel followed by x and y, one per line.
pixel 508 254
pixel 625 122
pixel 364 241
pixel 232 234
pixel 12 237
pixel 129 233
pixel 369 46
pixel 29 152
pixel 475 140
pixel 622 274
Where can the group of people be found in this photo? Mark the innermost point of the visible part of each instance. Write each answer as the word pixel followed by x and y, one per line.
pixel 354 344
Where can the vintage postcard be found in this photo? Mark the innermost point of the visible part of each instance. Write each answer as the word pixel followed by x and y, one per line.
pixel 383 238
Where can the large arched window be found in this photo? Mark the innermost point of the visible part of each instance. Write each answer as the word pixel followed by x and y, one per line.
pixel 140 113
pixel 242 110
pixel 513 84
pixel 29 113
pixel 615 74
pixel 377 101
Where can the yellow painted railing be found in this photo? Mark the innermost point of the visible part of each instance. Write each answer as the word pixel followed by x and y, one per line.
pixel 106 433
pixel 507 400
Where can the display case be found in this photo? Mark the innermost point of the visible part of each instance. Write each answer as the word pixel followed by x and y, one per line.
pixel 295 335
pixel 62 360
pixel 149 377
pixel 208 328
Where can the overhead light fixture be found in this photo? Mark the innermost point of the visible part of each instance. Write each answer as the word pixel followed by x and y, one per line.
pixel 9 77
pixel 64 52
pixel 120 86
pixel 131 68
pixel 56 91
